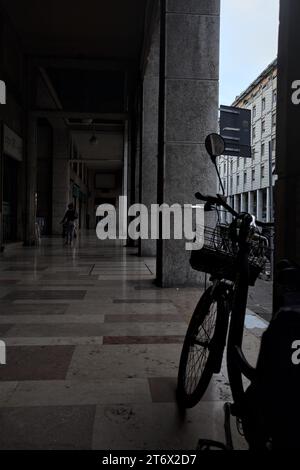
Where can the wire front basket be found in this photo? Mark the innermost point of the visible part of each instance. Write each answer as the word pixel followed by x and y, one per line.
pixel 219 254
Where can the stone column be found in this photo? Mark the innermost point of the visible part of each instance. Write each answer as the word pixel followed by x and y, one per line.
pixel 138 153
pixel 1 190
pixel 250 203
pixel 189 73
pixel 268 205
pixel 259 204
pixel 150 135
pixel 138 144
pixel 31 174
pixel 236 203
pixel 61 177
pixel 125 184
pixel 287 194
pixel 132 128
pixel 244 202
pixel 137 165
pixel 287 189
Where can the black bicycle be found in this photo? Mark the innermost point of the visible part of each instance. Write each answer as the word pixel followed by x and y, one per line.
pixel 234 255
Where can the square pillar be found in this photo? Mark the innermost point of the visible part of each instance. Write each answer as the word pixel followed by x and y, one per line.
pixel 188 112
pixel 250 203
pixel 268 205
pixel 61 177
pixel 137 164
pixel 287 193
pixel 259 204
pixel 1 192
pixel 125 182
pixel 31 174
pixel 287 189
pixel 148 169
pixel 244 202
pixel 237 205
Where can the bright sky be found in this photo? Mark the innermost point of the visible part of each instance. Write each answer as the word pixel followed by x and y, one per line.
pixel 249 41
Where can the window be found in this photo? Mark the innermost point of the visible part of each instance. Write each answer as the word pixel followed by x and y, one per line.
pixel 231 184
pixel 238 163
pixel 231 166
pixel 238 181
pixel 253 174
pixel 263 104
pixel 263 126
pixel 275 97
pixel 245 177
pixel 253 152
pixel 263 150
pixel 274 119
pixel 263 171
pixel 274 144
pixel 225 168
pixel 254 111
pixel 254 133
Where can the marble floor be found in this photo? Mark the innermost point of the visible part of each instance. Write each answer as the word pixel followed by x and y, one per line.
pixel 93 349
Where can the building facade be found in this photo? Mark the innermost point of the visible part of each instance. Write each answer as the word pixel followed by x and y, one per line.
pixel 248 182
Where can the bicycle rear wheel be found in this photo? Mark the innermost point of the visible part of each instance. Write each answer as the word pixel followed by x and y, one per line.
pixel 202 348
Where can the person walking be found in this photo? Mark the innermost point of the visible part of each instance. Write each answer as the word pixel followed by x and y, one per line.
pixel 69 223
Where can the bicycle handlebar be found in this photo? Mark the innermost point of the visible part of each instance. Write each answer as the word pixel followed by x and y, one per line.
pixel 219 201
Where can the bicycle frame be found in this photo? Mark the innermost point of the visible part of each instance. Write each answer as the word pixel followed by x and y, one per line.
pixel 236 296
pixel 224 289
pixel 236 361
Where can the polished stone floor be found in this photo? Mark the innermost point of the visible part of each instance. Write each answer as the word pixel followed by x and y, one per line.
pixel 93 349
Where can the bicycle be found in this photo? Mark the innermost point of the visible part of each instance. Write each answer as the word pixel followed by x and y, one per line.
pixel 234 257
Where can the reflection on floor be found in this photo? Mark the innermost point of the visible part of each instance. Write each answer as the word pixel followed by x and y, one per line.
pixel 92 352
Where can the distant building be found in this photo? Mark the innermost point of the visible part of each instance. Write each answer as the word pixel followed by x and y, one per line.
pixel 247 181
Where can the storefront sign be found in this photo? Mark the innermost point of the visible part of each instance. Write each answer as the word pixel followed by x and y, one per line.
pixel 12 144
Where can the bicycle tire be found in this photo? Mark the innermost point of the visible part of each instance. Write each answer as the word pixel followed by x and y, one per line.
pixel 187 398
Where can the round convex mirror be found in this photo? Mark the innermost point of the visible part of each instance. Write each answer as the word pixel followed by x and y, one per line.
pixel 214 145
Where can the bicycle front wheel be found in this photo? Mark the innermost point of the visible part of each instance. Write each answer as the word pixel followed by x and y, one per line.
pixel 201 348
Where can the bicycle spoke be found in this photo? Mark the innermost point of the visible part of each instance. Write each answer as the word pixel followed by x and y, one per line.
pixel 200 345
pixel 195 372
